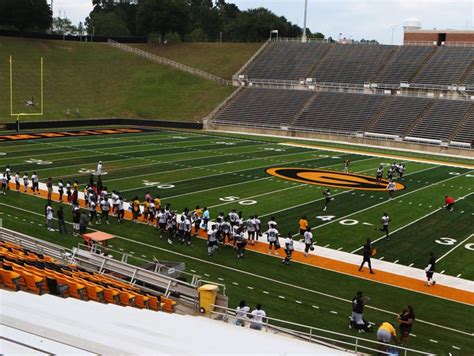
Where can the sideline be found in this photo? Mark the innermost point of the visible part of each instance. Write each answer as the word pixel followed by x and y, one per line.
pixel 259 276
pixel 409 278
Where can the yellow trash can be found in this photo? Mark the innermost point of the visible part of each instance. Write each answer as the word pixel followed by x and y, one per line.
pixel 207 297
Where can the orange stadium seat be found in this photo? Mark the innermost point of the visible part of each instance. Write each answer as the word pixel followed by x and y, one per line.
pixel 111 296
pixel 10 279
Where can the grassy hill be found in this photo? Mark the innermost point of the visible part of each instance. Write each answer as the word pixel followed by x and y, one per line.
pixel 100 81
pixel 221 59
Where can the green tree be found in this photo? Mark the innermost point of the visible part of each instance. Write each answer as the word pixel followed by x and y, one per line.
pixel 63 26
pixel 163 16
pixel 25 15
pixel 106 24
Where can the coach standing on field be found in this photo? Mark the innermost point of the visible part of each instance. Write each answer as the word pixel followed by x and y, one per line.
pixel 367 254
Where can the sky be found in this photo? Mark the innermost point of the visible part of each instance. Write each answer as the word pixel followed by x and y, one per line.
pixel 356 19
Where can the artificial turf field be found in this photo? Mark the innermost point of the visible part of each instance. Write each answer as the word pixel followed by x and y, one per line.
pixel 224 172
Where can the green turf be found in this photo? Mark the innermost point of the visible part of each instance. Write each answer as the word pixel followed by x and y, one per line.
pixel 221 59
pixel 207 169
pixel 76 77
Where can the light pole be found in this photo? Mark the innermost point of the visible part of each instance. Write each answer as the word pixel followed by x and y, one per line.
pixel 304 38
pixel 393 31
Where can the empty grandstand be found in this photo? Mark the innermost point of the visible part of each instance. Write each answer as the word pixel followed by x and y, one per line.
pixel 402 66
pixel 339 112
pixel 266 107
pixel 447 66
pixel 441 120
pixel 362 63
pixel 399 115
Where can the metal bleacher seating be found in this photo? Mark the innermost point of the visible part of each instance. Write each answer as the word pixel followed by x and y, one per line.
pixel 354 63
pixel 470 78
pixel 446 66
pixel 441 119
pixel 399 115
pixel 466 133
pixel 267 107
pixel 339 112
pixel 403 64
pixel 286 61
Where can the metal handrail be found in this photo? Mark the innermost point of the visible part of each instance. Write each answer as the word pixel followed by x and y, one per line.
pixel 169 62
pixel 312 332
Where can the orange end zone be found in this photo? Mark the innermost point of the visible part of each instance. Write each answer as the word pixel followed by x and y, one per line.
pixel 387 278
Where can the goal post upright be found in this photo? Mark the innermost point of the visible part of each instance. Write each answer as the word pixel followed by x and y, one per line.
pixel 18 114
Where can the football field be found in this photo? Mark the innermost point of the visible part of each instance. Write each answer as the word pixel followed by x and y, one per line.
pixel 224 172
pixel 230 172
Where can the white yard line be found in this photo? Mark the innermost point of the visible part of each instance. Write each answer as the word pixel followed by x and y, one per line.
pixel 455 247
pixel 242 154
pixel 400 228
pixel 387 201
pixel 411 223
pixel 230 172
pixel 252 274
pixel 344 192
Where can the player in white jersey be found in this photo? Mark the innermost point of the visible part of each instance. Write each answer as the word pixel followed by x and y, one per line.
pixel 25 182
pixel 233 217
pixel 346 165
pixel 212 240
pixel 258 227
pixel 226 231
pixel 379 175
pixel 385 222
pixel 3 179
pixel 114 198
pixel 188 230
pixel 391 187
pixel 161 218
pixel 272 222
pixel 240 242
pixel 251 230
pixel 289 248
pixel 105 208
pixel 120 209
pixel 272 237
pixel 182 229
pixel 8 175
pixel 93 212
pixel 308 241
pixel 35 183
pixel 17 181
pixel 99 169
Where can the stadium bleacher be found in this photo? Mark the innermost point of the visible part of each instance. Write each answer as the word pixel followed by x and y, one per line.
pixel 276 63
pixel 23 269
pixel 339 112
pixel 466 132
pixel 441 119
pixel 339 100
pixel 363 63
pixel 355 64
pixel 446 67
pixel 399 115
pixel 269 107
pixel 402 66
